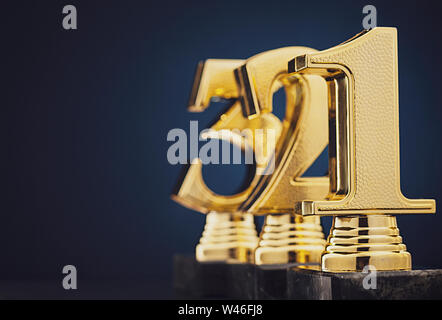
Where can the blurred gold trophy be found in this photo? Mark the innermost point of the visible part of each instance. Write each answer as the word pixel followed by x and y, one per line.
pixel 285 237
pixel 365 194
pixel 229 235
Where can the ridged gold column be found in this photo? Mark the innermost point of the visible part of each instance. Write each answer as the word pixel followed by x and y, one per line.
pixel 287 238
pixel 228 237
pixel 357 241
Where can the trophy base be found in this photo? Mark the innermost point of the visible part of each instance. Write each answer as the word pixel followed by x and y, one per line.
pixel 385 285
pixel 271 281
pixel 227 237
pixel 220 280
pixel 212 280
pixel 359 242
pixel 290 239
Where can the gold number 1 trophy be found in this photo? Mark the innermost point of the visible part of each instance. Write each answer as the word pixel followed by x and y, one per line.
pixel 365 194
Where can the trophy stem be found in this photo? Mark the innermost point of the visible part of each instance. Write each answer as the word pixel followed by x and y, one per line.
pixel 367 240
pixel 287 238
pixel 227 237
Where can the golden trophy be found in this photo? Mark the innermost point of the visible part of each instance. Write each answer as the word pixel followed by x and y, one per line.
pixel 285 237
pixel 229 235
pixel 364 172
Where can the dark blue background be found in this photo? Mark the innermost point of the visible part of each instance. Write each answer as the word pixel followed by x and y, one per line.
pixel 85 114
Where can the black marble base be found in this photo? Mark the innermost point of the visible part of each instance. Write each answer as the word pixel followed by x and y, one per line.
pixel 194 280
pixel 242 277
pixel 389 285
pixel 271 282
pixel 212 280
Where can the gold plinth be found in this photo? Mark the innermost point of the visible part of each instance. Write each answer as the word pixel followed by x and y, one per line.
pixel 359 241
pixel 227 237
pixel 286 238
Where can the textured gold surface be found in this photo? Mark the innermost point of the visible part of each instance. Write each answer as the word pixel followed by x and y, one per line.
pixel 362 77
pixel 362 81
